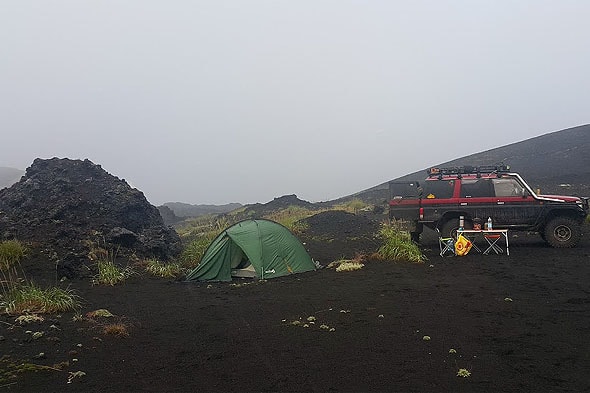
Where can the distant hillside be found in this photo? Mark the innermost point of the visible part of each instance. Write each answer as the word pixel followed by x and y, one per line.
pixel 9 176
pixel 184 210
pixel 556 163
pixel 258 210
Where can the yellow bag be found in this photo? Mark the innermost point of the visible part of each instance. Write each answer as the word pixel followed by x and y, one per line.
pixel 462 245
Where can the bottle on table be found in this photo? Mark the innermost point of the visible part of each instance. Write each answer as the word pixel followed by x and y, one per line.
pixel 489 223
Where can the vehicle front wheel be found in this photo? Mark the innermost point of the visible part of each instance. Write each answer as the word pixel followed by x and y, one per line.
pixel 562 232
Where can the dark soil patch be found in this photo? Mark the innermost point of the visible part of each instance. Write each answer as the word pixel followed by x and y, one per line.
pixel 334 235
pixel 221 337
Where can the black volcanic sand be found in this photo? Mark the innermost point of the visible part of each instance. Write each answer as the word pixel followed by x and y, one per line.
pixel 518 323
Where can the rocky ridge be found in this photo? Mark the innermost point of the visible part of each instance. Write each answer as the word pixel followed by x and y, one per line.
pixel 67 208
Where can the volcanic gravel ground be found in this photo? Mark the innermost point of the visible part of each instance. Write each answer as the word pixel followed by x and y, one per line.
pixel 517 323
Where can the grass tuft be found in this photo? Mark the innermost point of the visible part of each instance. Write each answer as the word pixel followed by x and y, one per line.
pixel 164 270
pixel 31 299
pixel 348 266
pixel 353 206
pixel 11 275
pixel 398 246
pixel 118 329
pixel 111 274
pixel 11 252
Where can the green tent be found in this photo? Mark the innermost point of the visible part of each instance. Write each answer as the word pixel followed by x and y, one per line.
pixel 264 248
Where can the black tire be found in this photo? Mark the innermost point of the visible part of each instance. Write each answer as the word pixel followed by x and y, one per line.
pixel 415 236
pixel 449 228
pixel 562 232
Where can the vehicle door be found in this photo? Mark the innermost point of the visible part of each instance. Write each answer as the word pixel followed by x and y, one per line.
pixel 503 199
pixel 515 206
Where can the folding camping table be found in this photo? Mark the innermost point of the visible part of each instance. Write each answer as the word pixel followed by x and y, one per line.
pixel 493 238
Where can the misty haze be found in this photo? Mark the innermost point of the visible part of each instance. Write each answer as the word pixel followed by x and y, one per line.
pixel 294 196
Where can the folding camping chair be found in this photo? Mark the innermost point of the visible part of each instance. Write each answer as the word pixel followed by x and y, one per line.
pixel 492 239
pixel 445 244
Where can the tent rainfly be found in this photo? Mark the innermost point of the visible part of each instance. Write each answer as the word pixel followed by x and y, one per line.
pixel 255 248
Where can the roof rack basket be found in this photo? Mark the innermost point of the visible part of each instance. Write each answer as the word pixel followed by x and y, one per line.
pixel 468 170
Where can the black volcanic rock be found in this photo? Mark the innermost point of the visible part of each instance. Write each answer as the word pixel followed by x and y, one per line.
pixel 68 207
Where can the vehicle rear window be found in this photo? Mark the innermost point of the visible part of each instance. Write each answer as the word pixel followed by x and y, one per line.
pixel 438 189
pixel 408 190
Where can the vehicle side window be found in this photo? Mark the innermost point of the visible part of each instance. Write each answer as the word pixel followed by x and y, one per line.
pixel 438 189
pixel 408 190
pixel 479 188
pixel 507 187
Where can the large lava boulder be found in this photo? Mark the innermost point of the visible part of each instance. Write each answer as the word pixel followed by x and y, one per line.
pixel 68 208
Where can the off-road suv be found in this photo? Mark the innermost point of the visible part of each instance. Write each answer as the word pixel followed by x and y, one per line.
pixel 479 193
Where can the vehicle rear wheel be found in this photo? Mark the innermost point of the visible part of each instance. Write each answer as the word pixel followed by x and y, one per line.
pixel 562 232
pixel 449 228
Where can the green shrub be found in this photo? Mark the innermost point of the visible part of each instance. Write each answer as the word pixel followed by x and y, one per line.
pixel 398 246
pixel 33 299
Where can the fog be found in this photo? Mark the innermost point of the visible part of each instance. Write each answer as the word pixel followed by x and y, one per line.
pixel 243 101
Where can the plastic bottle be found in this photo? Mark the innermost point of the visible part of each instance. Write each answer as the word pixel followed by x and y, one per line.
pixel 489 223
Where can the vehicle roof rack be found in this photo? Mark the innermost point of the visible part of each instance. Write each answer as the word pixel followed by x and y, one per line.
pixel 468 170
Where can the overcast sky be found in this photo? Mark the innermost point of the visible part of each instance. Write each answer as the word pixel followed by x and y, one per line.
pixel 243 101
